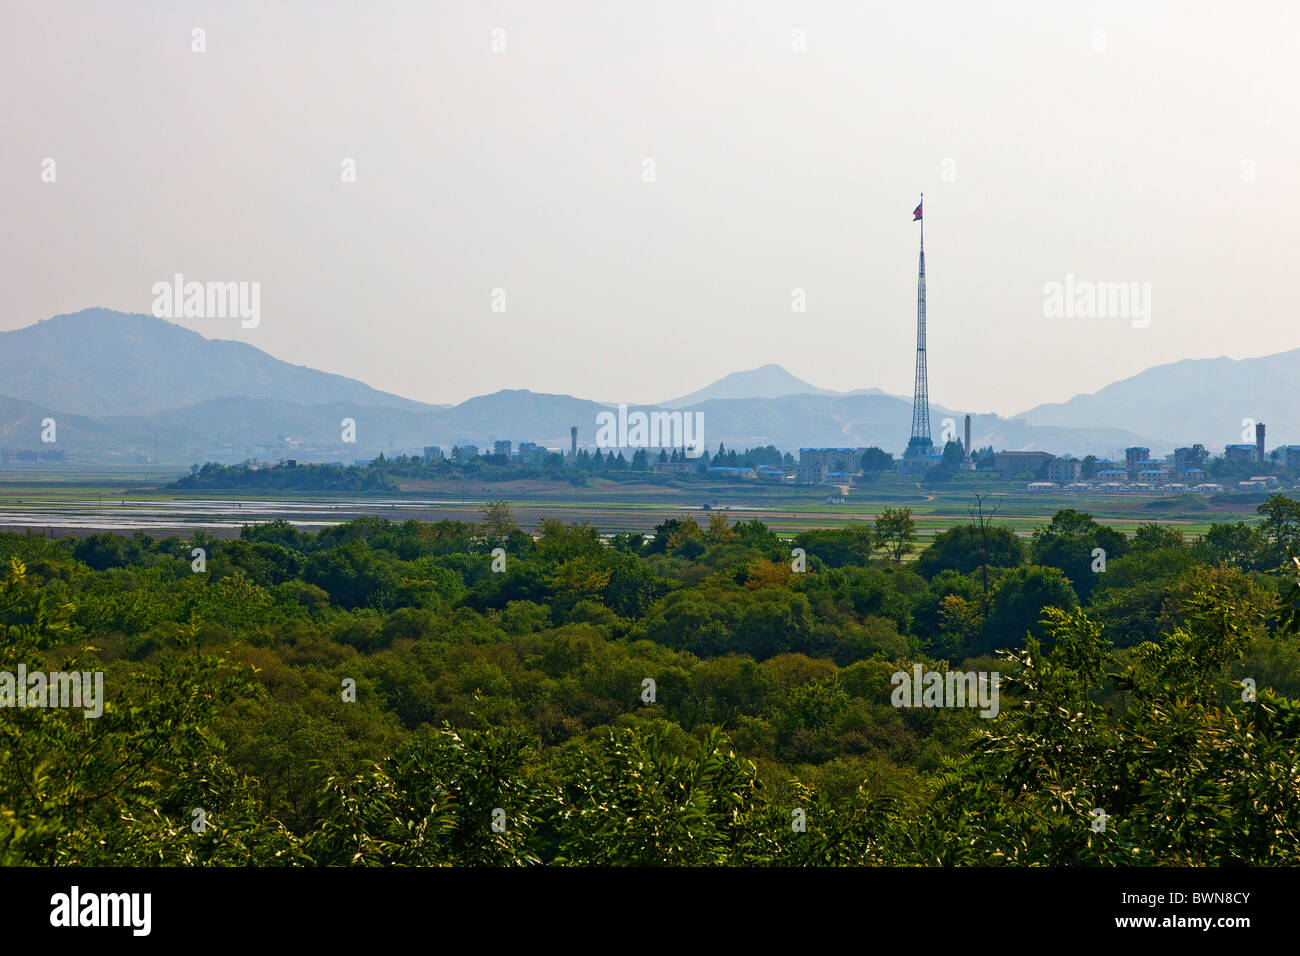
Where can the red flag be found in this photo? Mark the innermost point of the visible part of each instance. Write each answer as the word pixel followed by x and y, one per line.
pixel 916 213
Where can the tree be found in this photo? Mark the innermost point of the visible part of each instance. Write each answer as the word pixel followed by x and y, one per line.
pixel 723 688
pixel 1069 542
pixel 637 800
pixel 972 547
pixel 1152 536
pixel 982 525
pixel 668 531
pixel 949 464
pixel 896 530
pixel 718 531
pixel 117 788
pixel 1235 543
pixel 1182 779
pixel 1280 527
pixel 960 622
pixel 688 530
pixel 838 547
pixel 875 460
pixel 445 798
pixel 1017 604
pixel 354 576
pixel 559 542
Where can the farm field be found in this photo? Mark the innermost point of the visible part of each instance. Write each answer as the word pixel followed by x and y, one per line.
pixel 88 503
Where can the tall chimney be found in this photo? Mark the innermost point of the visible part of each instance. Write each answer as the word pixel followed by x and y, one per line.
pixel 967 438
pixel 1259 442
pixel 573 441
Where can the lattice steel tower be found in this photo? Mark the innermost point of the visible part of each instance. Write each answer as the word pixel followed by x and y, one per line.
pixel 920 444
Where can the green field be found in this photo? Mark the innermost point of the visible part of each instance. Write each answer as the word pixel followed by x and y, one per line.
pixel 85 502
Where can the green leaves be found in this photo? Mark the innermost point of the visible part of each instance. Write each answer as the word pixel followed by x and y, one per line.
pixel 634 801
pixel 1180 780
pixel 445 798
pixel 770 738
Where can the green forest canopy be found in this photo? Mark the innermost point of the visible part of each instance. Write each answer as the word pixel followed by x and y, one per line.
pixel 380 693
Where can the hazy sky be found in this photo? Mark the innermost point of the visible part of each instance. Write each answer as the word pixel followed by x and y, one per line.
pixel 1148 142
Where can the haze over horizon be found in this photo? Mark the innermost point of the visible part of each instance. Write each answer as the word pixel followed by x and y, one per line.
pixel 766 381
pixel 774 171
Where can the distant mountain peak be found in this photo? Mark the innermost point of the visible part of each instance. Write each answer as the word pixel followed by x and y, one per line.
pixel 101 362
pixel 766 381
pixel 1206 400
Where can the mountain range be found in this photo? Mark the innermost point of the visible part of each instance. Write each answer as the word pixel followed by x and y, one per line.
pixel 769 381
pixel 1195 400
pixel 128 387
pixel 98 362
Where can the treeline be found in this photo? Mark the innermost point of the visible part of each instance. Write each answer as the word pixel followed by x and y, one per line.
pixel 383 474
pixel 469 693
pixel 298 477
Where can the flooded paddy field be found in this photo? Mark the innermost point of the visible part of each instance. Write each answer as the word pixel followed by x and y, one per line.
pixel 111 503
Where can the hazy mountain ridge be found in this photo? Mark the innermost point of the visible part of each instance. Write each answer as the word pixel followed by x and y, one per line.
pixel 857 420
pixel 767 381
pixel 95 371
pixel 99 362
pixel 1192 400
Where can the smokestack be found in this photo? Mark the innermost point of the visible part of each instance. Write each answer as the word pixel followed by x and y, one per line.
pixel 573 441
pixel 967 438
pixel 1259 442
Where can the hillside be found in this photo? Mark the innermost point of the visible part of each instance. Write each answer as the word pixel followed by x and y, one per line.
pixel 126 385
pixel 1195 400
pixel 100 362
pixel 769 381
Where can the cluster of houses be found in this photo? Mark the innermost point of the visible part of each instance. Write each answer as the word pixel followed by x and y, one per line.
pixel 1138 474
pixel 33 456
pixel 838 469
pixel 525 452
